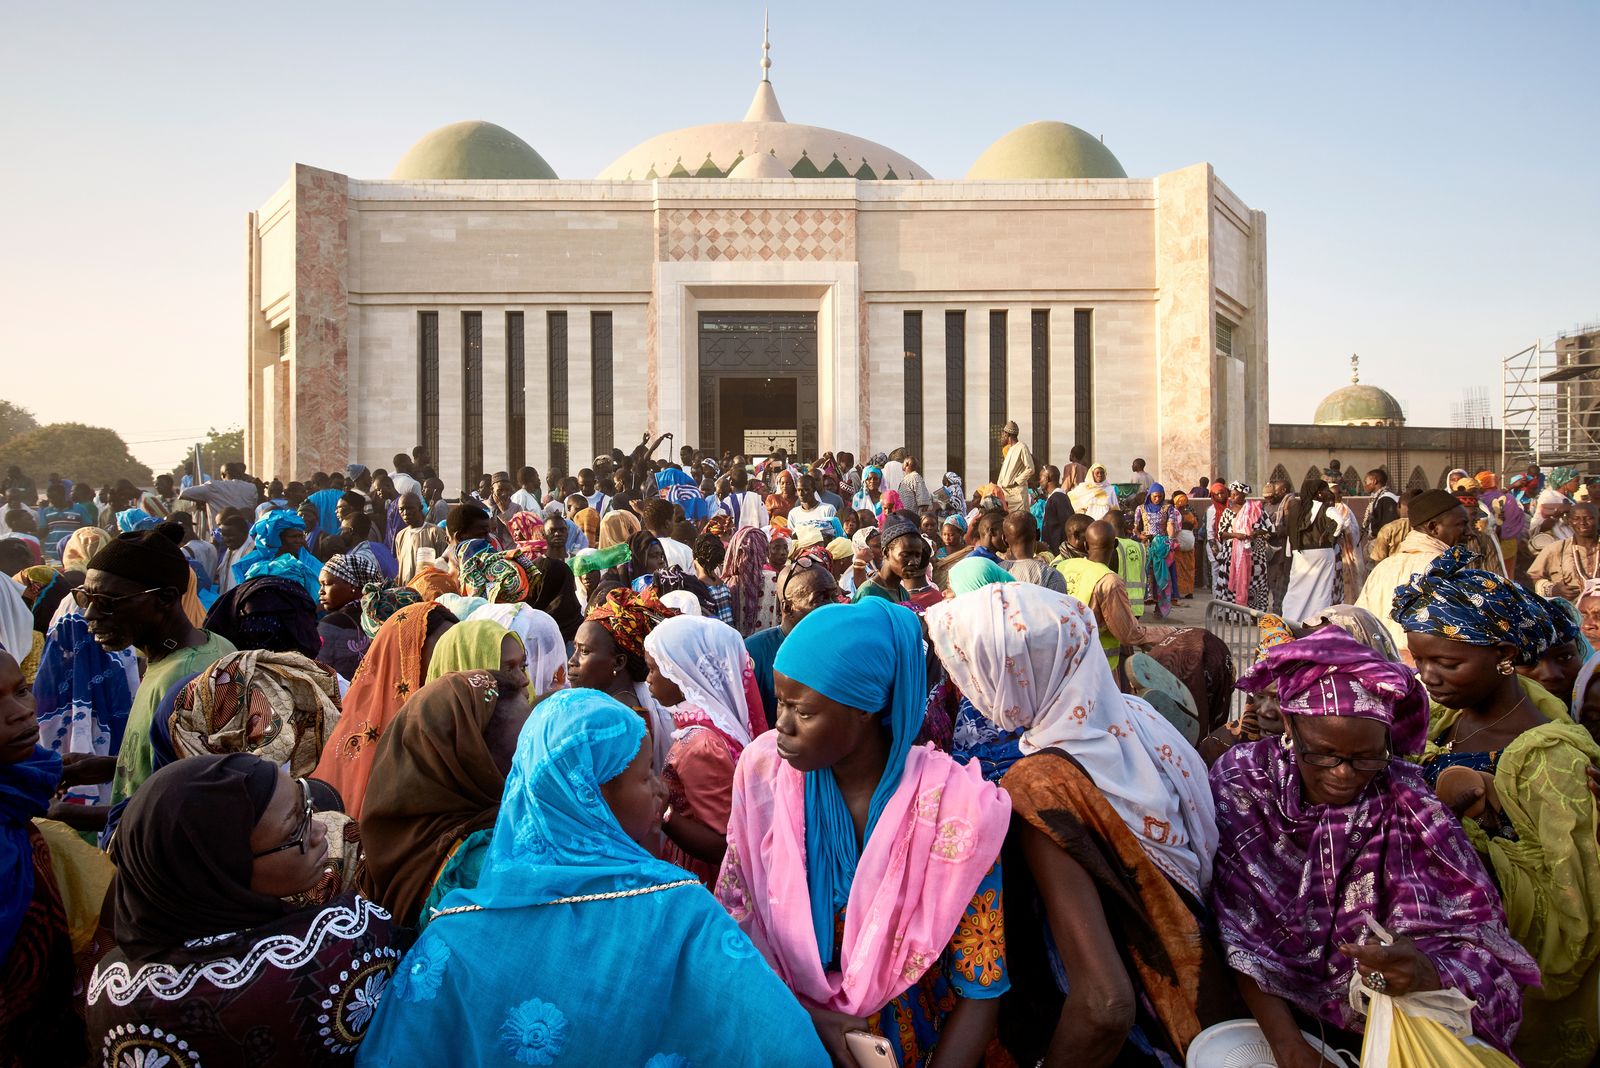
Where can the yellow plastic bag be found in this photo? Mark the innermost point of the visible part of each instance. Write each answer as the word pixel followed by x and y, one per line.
pixel 1411 1032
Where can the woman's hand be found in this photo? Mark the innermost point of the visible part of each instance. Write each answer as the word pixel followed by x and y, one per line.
pixel 831 1027
pixel 86 769
pixel 1404 967
pixel 1299 1054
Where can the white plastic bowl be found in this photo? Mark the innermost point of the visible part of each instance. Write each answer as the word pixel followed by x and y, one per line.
pixel 1240 1044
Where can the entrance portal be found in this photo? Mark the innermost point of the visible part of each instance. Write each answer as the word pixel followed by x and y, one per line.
pixel 757 416
pixel 758 382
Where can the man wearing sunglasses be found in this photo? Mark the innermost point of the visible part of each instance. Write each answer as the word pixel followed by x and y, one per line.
pixel 133 595
pixel 805 584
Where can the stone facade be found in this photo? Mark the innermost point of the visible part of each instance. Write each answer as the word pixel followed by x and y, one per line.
pixel 1169 268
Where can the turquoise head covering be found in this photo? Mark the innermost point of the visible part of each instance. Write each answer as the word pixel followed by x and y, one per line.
pixel 869 656
pixel 556 839
pixel 1570 611
pixel 133 519
pixel 976 572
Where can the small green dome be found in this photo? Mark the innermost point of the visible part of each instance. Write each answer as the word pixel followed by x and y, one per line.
pixel 472 150
pixel 1047 150
pixel 1359 406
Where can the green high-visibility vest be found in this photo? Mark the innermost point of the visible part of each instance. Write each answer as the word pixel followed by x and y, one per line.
pixel 1082 576
pixel 1130 565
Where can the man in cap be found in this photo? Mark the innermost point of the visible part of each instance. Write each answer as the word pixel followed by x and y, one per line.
pixel 1016 468
pixel 133 595
pixel 1439 522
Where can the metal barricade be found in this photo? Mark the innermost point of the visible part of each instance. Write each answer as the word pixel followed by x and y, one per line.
pixel 1240 630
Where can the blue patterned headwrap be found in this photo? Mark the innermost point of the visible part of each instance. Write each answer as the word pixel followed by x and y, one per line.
pixel 132 519
pixel 1467 604
pixel 869 656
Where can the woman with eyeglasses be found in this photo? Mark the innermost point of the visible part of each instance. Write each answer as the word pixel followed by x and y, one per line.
pixel 211 965
pixel 1504 754
pixel 1327 826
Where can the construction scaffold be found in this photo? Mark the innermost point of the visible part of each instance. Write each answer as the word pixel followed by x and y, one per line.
pixel 1550 403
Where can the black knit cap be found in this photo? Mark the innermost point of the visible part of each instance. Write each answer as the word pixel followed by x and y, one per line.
pixel 1426 507
pixel 148 557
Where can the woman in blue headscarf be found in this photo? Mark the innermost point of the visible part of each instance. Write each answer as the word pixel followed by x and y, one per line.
pixel 635 963
pixel 864 868
pixel 280 550
pixel 1156 524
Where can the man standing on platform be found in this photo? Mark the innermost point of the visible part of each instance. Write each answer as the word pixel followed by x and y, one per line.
pixel 1016 468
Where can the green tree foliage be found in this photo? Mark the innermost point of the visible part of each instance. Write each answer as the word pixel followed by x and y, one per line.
pixel 219 446
pixel 93 454
pixel 15 420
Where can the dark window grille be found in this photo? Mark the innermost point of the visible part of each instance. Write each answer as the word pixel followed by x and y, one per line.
pixel 428 383
pixel 1041 385
pixel 283 343
pixel 556 325
pixel 604 400
pixel 1224 337
pixel 997 384
pixel 955 388
pixel 913 372
pixel 472 397
pixel 516 394
pixel 1083 378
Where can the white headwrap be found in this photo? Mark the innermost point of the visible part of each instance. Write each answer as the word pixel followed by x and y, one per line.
pixel 707 660
pixel 547 652
pixel 1028 657
pixel 16 621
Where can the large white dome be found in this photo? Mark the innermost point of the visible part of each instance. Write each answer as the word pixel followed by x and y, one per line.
pixel 714 150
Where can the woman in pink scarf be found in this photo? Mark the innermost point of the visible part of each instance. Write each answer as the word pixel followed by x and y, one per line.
pixel 863 868
pixel 702 675
pixel 1242 570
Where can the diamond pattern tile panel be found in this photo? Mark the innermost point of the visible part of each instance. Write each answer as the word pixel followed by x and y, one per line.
pixel 723 234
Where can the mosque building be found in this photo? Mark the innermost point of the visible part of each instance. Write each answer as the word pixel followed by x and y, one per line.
pixel 745 285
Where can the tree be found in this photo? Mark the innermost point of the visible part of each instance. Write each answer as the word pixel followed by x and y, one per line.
pixel 15 420
pixel 219 446
pixel 93 454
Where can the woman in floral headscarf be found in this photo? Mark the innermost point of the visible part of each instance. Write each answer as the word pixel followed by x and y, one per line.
pixel 608 655
pixel 702 675
pixel 1239 571
pixel 1506 757
pixel 527 528
pixel 1329 828
pixel 873 497
pixel 393 669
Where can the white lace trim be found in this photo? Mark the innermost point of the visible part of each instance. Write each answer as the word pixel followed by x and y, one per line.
pixel 122 985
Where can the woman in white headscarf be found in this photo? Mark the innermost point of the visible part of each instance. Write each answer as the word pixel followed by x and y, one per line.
pixel 1095 495
pixel 1116 822
pixel 16 623
pixel 702 675
pixel 547 652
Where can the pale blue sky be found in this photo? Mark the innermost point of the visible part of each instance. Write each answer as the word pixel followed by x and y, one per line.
pixel 1430 172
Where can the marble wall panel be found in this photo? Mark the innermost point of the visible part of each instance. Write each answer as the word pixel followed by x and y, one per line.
pixel 321 353
pixel 1186 345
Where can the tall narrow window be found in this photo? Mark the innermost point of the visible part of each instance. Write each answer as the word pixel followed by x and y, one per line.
pixel 604 402
pixel 997 384
pixel 471 397
pixel 1041 385
pixel 1083 378
pixel 516 394
pixel 428 384
pixel 955 389
pixel 556 325
pixel 913 371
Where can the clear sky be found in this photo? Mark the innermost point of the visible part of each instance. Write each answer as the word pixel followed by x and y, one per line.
pixel 1430 172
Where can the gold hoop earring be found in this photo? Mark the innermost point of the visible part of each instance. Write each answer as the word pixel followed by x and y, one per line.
pixel 1286 741
pixel 1505 667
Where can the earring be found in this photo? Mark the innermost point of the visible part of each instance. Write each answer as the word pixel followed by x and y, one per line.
pixel 1505 668
pixel 1285 741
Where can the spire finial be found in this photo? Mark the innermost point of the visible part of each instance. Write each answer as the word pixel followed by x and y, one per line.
pixel 1355 369
pixel 766 44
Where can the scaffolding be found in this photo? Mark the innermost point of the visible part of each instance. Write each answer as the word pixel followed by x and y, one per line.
pixel 1550 403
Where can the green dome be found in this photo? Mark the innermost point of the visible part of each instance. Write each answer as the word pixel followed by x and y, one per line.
pixel 1359 406
pixel 472 150
pixel 1047 150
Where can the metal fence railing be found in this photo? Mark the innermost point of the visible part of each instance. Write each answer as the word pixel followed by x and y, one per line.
pixel 1240 630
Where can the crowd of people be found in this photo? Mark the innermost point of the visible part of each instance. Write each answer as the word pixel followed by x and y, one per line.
pixel 790 761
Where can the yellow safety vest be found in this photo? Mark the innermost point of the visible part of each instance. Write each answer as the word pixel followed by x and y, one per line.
pixel 1082 576
pixel 1130 559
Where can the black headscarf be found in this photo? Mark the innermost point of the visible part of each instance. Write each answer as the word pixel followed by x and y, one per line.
pixel 1308 528
pixel 183 858
pixel 267 612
